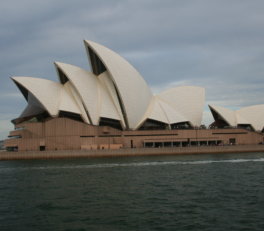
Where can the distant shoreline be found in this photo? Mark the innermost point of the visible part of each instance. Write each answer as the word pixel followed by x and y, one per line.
pixel 64 154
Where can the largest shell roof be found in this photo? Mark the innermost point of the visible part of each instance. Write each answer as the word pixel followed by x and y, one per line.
pixel 114 89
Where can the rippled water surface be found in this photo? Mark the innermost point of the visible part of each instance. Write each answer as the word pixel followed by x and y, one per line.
pixel 202 192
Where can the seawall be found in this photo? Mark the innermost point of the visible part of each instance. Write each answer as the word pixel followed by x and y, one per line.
pixel 129 152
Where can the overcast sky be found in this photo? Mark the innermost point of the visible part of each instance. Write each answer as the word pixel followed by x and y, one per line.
pixel 211 43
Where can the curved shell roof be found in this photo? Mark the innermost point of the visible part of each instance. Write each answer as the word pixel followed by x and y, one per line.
pixel 52 96
pixel 34 107
pixel 109 103
pixel 155 112
pixel 187 100
pixel 226 114
pixel 38 88
pixel 134 93
pixel 174 116
pixel 70 102
pixel 97 93
pixel 83 80
pixel 252 115
pixel 113 90
pixel 162 111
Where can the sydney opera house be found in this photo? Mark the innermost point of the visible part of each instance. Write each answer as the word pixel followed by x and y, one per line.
pixel 112 107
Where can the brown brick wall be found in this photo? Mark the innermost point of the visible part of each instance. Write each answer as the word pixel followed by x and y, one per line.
pixel 67 134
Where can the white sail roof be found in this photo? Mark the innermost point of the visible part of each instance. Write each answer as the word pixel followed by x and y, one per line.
pixel 109 104
pixel 226 114
pixel 155 112
pixel 34 107
pixel 97 93
pixel 38 88
pixel 133 92
pixel 70 102
pixel 86 85
pixel 252 115
pixel 241 120
pixel 113 90
pixel 163 111
pixel 174 116
pixel 52 96
pixel 187 101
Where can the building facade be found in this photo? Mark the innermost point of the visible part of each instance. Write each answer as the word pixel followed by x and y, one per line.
pixel 68 134
pixel 112 106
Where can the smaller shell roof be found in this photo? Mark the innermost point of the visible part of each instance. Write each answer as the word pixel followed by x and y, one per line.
pixel 109 103
pixel 188 101
pixel 155 112
pixel 162 111
pixel 86 85
pixel 97 93
pixel 241 120
pixel 38 88
pixel 34 107
pixel 226 114
pixel 70 102
pixel 173 116
pixel 252 115
pixel 52 96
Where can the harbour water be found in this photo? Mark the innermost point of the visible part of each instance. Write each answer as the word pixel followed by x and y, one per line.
pixel 184 192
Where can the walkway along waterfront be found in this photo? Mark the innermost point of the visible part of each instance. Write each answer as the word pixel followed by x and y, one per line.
pixel 129 152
